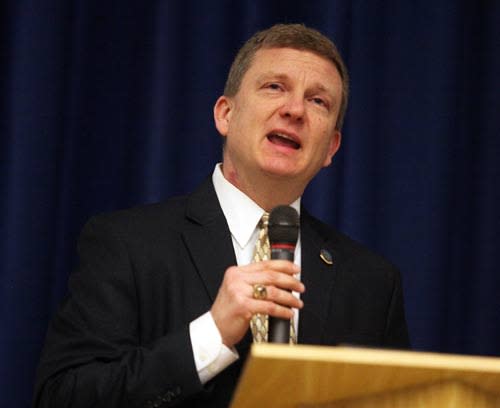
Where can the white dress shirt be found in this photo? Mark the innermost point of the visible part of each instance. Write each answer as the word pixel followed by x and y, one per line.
pixel 211 356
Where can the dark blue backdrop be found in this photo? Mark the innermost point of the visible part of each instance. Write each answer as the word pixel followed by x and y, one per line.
pixel 107 104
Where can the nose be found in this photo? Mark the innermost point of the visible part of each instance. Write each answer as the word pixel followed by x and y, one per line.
pixel 293 108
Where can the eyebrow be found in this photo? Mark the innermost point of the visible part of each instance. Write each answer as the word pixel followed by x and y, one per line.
pixel 271 74
pixel 279 76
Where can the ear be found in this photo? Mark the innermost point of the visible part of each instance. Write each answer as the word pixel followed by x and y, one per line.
pixel 333 148
pixel 223 109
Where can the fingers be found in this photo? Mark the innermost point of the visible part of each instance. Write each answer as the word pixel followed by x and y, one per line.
pixel 282 297
pixel 277 280
pixel 276 276
pixel 281 266
pixel 276 273
pixel 270 308
pixel 234 305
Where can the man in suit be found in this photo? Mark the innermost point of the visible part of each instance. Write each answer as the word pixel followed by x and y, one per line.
pixel 159 309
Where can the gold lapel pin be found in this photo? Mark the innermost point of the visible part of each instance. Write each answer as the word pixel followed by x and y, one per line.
pixel 326 256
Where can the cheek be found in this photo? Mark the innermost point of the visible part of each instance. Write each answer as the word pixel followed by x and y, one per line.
pixel 236 127
pixel 321 123
pixel 322 131
pixel 322 145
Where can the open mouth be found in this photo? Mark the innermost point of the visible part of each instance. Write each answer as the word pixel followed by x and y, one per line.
pixel 281 139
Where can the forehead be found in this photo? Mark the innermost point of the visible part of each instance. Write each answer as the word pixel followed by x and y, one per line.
pixel 293 63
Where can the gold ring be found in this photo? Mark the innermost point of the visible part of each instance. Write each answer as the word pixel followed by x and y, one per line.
pixel 259 292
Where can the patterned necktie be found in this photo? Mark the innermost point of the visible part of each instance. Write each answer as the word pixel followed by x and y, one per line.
pixel 260 322
pixel 262 252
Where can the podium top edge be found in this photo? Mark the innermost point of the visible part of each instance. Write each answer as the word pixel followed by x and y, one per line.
pixel 383 357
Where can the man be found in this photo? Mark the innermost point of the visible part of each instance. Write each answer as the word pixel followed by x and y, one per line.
pixel 159 309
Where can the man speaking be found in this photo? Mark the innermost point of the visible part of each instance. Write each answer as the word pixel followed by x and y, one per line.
pixel 167 298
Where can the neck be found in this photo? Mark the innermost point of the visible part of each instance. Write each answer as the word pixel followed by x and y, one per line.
pixel 266 191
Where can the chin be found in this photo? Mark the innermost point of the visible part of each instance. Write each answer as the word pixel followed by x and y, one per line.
pixel 281 170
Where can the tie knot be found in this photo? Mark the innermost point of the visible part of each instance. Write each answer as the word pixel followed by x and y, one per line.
pixel 264 221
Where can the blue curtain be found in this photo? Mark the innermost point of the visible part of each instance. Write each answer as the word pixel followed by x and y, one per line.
pixel 108 104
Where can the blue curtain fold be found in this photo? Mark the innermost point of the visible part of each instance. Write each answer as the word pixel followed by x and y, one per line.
pixel 105 105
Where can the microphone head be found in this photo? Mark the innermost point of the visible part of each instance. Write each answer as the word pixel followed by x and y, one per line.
pixel 283 226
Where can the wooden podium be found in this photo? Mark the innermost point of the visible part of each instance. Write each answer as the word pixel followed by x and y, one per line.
pixel 282 376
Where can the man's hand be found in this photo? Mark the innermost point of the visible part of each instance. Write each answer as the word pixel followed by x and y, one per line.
pixel 234 305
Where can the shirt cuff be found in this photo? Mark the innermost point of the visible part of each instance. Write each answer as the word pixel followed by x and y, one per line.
pixel 211 356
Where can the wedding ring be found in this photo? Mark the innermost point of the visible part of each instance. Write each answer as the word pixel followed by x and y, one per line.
pixel 259 292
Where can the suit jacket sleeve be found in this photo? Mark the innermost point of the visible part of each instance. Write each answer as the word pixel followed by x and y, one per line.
pixel 97 353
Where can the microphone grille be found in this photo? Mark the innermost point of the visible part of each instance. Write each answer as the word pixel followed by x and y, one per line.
pixel 283 225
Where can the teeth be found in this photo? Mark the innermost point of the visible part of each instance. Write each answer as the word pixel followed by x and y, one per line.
pixel 284 136
pixel 293 143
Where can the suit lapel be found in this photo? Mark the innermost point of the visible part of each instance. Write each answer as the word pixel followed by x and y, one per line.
pixel 318 278
pixel 209 243
pixel 207 237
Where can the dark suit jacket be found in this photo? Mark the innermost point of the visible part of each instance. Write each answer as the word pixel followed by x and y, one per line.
pixel 121 337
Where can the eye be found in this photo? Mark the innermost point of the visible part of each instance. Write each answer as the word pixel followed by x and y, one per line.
pixel 319 101
pixel 274 86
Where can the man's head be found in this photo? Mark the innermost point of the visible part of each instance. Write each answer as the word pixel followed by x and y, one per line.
pixel 280 115
pixel 296 36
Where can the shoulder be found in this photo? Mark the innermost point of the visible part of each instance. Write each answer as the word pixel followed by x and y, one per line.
pixel 144 220
pixel 159 221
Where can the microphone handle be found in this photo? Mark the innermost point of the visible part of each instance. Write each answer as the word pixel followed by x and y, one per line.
pixel 279 329
pixel 280 253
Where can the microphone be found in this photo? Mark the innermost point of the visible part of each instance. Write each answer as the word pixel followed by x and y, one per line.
pixel 283 231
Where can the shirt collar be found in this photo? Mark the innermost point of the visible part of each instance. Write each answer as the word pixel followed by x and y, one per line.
pixel 242 213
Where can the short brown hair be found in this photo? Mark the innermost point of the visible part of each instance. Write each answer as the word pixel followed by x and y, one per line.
pixel 296 36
